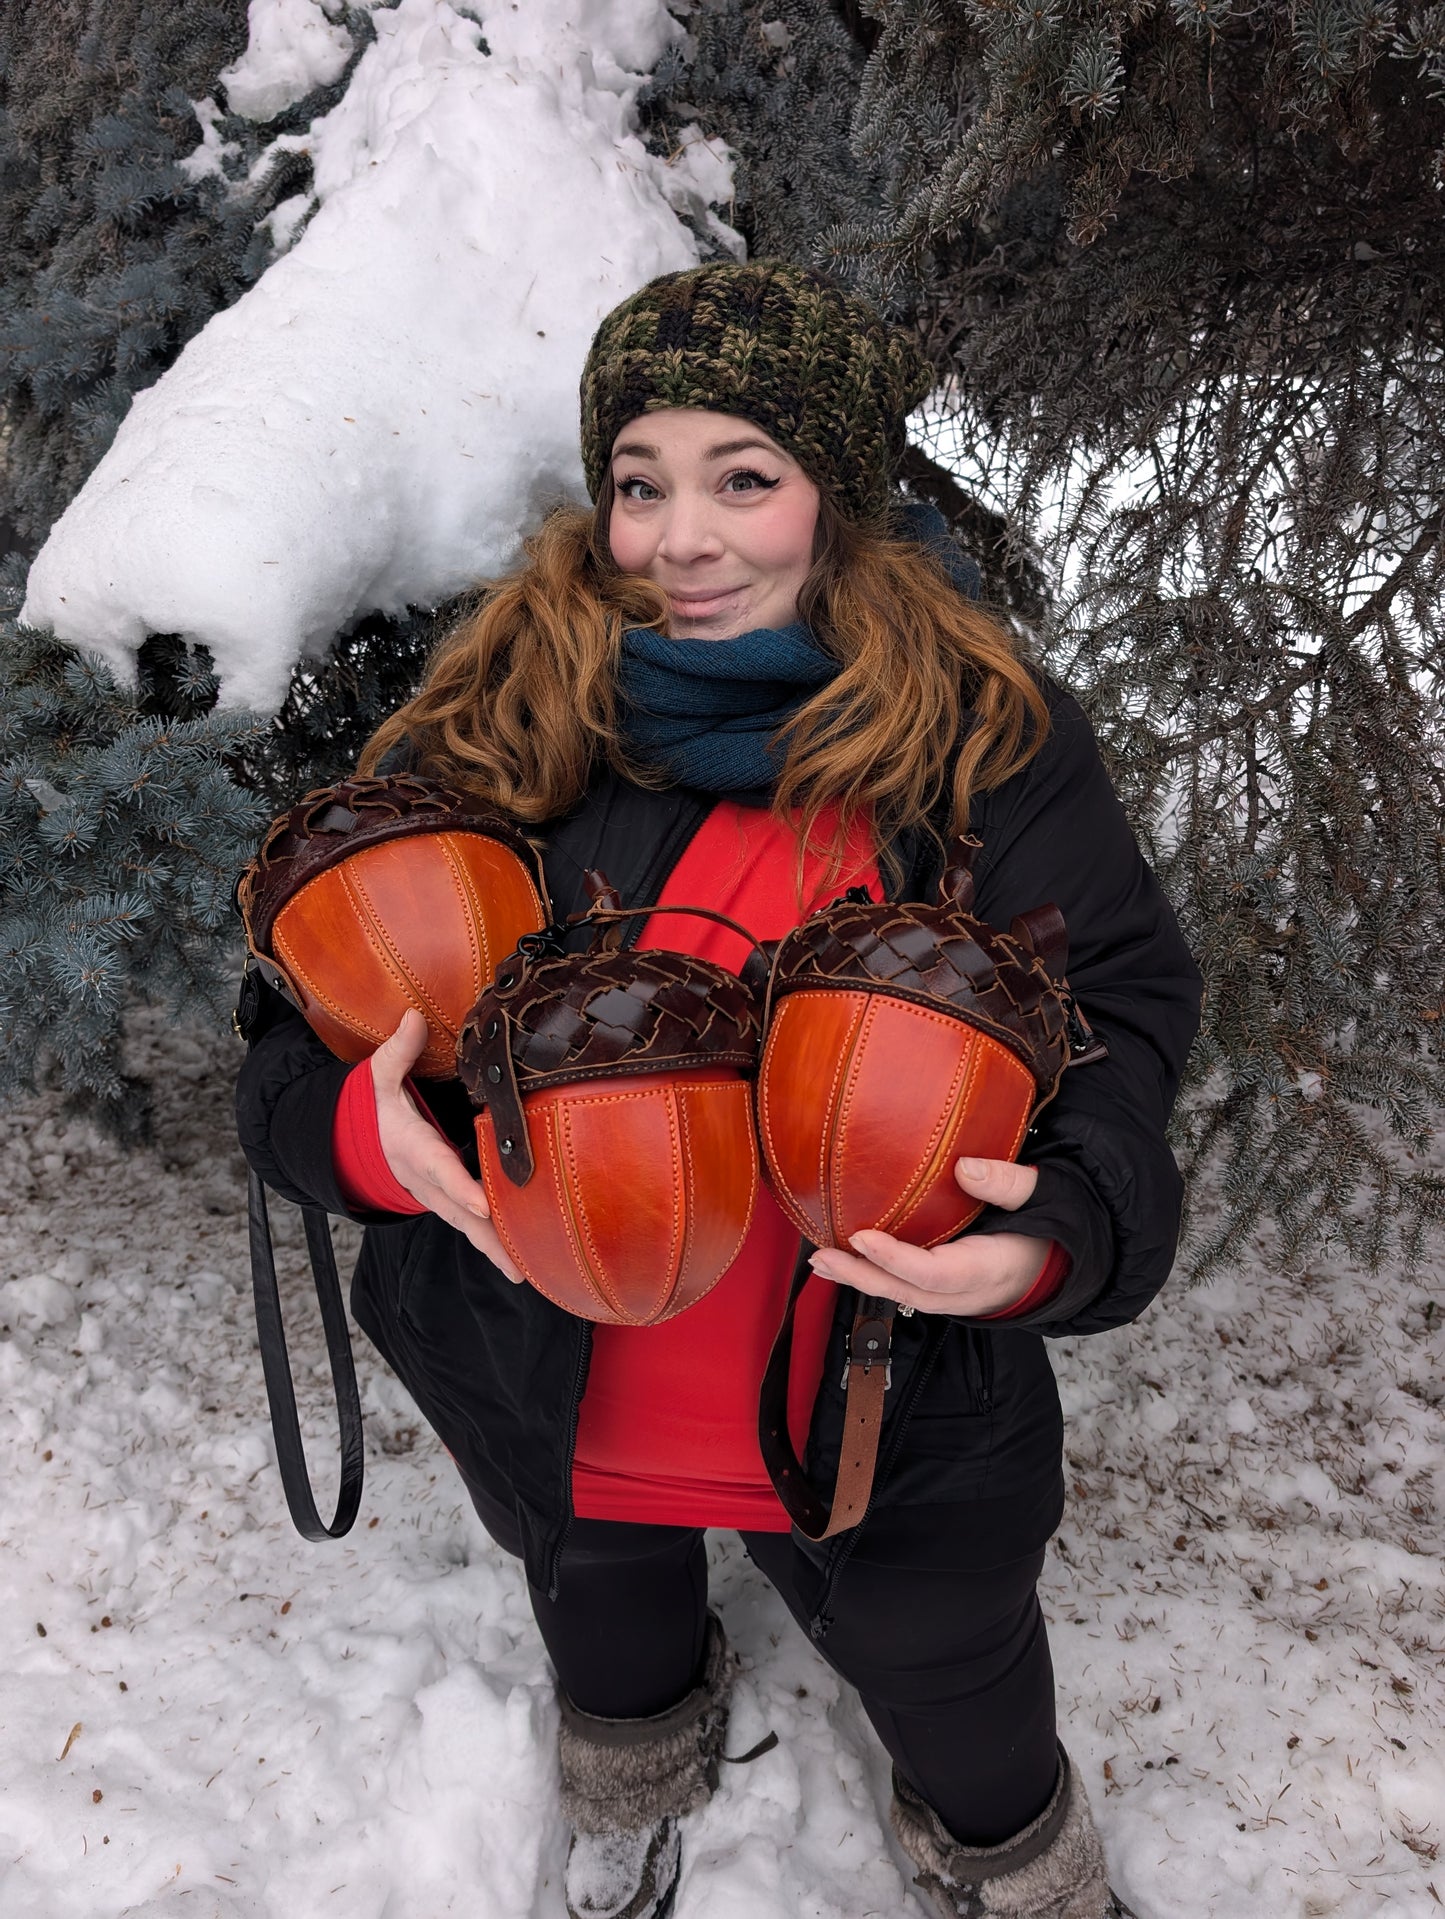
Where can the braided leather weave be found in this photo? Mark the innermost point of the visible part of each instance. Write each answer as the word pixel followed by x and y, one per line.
pixel 591 1013
pixel 550 1018
pixel 938 957
pixel 941 956
pixel 332 822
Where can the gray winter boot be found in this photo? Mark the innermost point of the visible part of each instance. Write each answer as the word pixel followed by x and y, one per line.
pixel 627 1782
pixel 1053 1869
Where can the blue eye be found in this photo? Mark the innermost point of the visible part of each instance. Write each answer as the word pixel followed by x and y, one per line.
pixel 621 486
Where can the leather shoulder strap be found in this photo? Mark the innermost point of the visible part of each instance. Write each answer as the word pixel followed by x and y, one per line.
pixel 815 1513
pixel 275 1364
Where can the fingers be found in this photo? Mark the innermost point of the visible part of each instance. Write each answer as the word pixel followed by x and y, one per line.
pixel 912 1296
pixel 961 1276
pixel 1002 1182
pixel 449 1191
pixel 951 1296
pixel 913 1275
pixel 486 1238
pixel 915 1266
pixel 447 1180
pixel 395 1057
pixel 444 1186
pixel 419 1154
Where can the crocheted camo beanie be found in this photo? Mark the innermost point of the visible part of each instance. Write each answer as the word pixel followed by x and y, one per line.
pixel 811 363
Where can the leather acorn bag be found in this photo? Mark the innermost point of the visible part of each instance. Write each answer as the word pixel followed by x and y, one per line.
pixel 375 895
pixel 615 1135
pixel 366 898
pixel 898 1038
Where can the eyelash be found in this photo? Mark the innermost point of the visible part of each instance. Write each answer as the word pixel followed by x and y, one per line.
pixel 743 473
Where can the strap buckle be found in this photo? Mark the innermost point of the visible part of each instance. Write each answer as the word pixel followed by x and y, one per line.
pixel 1085 1045
pixel 875 1340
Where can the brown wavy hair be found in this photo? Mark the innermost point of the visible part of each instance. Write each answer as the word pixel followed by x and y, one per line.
pixel 520 699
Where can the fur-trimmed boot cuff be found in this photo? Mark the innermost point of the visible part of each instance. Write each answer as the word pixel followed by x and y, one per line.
pixel 622 1775
pixel 1052 1869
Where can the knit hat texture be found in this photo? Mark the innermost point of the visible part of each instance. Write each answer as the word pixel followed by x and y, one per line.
pixel 811 363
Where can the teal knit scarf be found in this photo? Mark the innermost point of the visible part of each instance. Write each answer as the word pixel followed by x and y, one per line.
pixel 707 710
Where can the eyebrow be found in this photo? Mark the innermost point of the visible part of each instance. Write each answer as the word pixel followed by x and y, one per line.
pixel 639 450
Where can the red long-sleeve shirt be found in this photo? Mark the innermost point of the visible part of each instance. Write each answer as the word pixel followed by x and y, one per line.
pixel 668 1426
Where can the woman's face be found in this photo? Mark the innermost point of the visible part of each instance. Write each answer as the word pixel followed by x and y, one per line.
pixel 713 511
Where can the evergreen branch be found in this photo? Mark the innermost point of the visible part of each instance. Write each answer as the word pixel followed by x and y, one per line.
pixel 1430 536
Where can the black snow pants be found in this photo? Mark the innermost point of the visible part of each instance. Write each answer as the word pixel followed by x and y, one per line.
pixel 952 1668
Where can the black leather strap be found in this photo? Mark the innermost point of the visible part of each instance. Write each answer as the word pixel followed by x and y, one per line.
pixel 280 1393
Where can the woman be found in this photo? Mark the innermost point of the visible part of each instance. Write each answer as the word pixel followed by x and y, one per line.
pixel 746 681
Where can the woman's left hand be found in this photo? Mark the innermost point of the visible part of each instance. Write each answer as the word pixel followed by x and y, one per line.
pixel 973 1276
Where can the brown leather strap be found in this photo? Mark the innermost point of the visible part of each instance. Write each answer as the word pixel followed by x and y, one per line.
pixel 866 1379
pixel 1042 928
pixel 601 914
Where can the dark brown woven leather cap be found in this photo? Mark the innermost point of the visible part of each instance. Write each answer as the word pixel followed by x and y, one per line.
pixel 937 957
pixel 333 822
pixel 551 1017
pixel 1010 985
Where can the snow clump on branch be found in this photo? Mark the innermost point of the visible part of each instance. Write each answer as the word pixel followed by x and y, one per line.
pixel 378 421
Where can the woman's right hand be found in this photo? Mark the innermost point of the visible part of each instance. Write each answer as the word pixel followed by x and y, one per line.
pixel 421 1158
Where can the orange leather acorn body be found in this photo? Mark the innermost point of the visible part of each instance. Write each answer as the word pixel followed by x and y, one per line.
pixel 375 895
pixel 616 1138
pixel 900 1037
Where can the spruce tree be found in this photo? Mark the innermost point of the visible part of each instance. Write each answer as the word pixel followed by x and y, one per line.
pixel 124 816
pixel 1179 263
pixel 121 834
pixel 334 705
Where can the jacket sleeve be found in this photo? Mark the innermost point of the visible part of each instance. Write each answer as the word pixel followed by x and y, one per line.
pixel 1109 1189
pixel 286 1097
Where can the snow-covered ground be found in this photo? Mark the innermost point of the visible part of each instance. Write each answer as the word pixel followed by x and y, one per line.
pixel 204 1717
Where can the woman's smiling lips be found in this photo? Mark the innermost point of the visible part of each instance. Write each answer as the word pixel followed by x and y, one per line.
pixel 699 605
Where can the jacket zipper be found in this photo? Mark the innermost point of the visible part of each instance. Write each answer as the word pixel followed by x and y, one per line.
pixel 981 1346
pixel 579 1380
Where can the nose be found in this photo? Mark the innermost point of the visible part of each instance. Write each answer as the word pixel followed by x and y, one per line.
pixel 689 531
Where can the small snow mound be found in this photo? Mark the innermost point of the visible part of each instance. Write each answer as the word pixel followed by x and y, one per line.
pixel 292 49
pixel 478 1767
pixel 35 1302
pixel 1412 1799
pixel 1159 1415
pixel 1240 1416
pixel 75 1264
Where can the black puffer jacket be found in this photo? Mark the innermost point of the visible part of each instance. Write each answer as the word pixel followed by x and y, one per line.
pixel 970 1463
